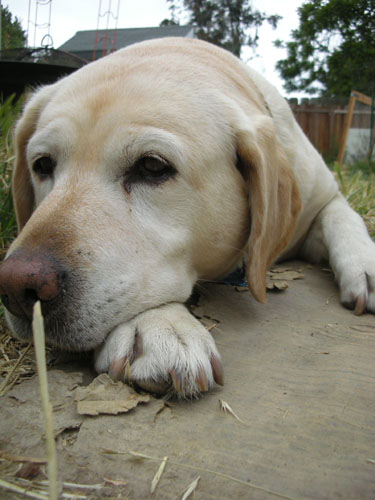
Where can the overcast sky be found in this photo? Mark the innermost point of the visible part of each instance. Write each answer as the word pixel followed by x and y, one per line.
pixel 70 16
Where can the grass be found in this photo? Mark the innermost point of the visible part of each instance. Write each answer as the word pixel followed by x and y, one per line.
pixel 9 110
pixel 357 183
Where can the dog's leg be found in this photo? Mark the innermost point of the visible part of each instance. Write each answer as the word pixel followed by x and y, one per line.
pixel 163 349
pixel 339 235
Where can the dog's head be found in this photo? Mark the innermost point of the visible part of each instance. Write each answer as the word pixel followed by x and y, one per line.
pixel 135 177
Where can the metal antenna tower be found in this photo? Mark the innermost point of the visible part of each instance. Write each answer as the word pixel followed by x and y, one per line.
pixel 110 35
pixel 42 21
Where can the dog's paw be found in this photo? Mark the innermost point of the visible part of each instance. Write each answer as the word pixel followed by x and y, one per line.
pixel 355 275
pixel 163 350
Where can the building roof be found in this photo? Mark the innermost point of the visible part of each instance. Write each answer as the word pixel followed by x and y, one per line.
pixel 83 42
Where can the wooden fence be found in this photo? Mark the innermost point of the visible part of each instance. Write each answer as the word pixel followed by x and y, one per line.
pixel 323 121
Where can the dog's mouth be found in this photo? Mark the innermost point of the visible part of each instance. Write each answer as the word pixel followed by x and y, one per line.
pixel 68 323
pixel 74 323
pixel 68 334
pixel 28 276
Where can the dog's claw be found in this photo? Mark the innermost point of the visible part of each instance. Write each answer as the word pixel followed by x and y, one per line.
pixel 360 305
pixel 201 381
pixel 217 370
pixel 176 380
pixel 137 348
pixel 127 372
pixel 116 368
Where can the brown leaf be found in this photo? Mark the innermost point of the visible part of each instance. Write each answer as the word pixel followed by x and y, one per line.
pixel 278 286
pixel 28 471
pixel 287 274
pixel 103 396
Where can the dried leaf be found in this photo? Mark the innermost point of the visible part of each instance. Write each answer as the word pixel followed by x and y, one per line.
pixel 278 286
pixel 28 471
pixel 286 275
pixel 283 269
pixel 103 396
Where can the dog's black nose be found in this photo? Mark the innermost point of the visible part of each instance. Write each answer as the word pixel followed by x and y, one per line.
pixel 26 277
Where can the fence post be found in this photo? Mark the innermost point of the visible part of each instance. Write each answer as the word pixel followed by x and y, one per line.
pixel 348 121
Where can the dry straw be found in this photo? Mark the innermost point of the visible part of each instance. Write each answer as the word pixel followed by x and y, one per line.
pixel 40 352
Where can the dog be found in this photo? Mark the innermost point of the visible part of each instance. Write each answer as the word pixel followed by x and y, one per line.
pixel 162 164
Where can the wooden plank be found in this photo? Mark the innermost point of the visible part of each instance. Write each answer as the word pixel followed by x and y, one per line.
pixel 299 374
pixel 362 97
pixel 348 121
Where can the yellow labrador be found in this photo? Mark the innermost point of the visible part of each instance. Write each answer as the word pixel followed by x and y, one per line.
pixel 164 163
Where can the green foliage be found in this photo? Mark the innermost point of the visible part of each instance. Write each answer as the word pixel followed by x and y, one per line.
pixel 170 22
pixel 357 183
pixel 333 50
pixel 12 34
pixel 366 167
pixel 230 24
pixel 9 110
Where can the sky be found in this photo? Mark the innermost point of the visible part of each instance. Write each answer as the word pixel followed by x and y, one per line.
pixel 70 16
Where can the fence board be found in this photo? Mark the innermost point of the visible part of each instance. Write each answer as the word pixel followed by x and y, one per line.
pixel 323 122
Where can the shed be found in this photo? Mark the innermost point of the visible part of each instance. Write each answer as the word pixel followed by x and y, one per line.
pixel 93 44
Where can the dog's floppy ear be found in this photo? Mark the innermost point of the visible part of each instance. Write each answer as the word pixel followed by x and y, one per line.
pixel 23 193
pixel 273 196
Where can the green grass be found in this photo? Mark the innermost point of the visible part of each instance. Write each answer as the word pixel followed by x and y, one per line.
pixel 9 110
pixel 357 183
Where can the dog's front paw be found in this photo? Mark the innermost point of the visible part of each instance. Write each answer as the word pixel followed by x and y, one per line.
pixel 162 350
pixel 355 273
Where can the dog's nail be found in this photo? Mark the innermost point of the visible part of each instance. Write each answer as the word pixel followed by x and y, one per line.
pixel 201 381
pixel 137 347
pixel 128 372
pixel 176 379
pixel 116 368
pixel 360 305
pixel 217 370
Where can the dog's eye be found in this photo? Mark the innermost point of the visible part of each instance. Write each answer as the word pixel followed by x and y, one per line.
pixel 44 167
pixel 150 169
pixel 153 167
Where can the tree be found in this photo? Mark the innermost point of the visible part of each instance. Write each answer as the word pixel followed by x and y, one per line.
pixel 226 23
pixel 333 50
pixel 12 34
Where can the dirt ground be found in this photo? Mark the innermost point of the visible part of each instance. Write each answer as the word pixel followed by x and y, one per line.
pixel 299 377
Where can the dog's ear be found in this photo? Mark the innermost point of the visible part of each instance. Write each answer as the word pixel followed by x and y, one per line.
pixel 23 193
pixel 273 197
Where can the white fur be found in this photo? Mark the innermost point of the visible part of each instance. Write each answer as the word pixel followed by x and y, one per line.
pixel 171 339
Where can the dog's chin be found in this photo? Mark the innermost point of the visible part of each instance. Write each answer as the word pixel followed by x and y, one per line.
pixel 65 336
